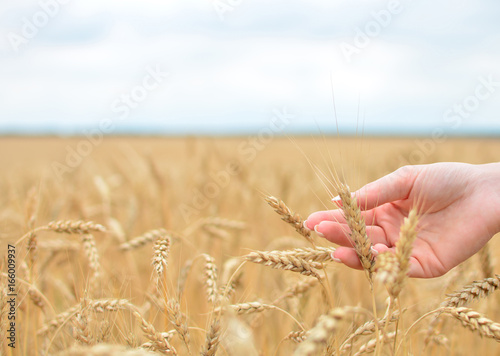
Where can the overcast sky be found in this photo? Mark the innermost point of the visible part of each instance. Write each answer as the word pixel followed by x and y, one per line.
pixel 227 66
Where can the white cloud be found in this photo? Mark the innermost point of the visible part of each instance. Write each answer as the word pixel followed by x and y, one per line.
pixel 262 56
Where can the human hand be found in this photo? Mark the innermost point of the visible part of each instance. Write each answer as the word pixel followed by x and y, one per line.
pixel 459 207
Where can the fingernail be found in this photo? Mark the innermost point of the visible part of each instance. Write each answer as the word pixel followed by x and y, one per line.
pixel 336 199
pixel 304 224
pixel 317 232
pixel 334 258
pixel 374 252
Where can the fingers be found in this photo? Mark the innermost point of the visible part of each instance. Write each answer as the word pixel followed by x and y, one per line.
pixel 339 233
pixel 349 257
pixel 334 215
pixel 392 187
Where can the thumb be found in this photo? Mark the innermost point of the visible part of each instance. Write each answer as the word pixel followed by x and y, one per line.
pixel 394 186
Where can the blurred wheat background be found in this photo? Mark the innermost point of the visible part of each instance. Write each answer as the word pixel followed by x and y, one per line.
pixel 132 186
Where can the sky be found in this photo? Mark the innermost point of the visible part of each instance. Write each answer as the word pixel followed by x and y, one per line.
pixel 241 66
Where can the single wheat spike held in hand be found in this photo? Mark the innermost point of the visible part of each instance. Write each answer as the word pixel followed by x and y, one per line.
pixel 357 225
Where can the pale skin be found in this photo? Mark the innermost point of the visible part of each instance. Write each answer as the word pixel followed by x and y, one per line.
pixel 459 207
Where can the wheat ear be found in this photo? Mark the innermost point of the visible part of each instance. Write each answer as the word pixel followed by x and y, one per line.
pixel 178 320
pixel 297 336
pixel 157 341
pixel 212 339
pixel 371 345
pixel 476 322
pixel 147 237
pixel 404 246
pixel 318 336
pixel 161 250
pixel 356 223
pixel 367 328
pixel 90 248
pixel 387 268
pixel 74 227
pixel 210 272
pixel 289 216
pixel 285 261
pixel 473 291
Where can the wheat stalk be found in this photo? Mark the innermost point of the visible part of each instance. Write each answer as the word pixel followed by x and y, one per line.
pixel 183 275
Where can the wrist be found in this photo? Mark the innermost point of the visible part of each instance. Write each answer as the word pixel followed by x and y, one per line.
pixel 489 180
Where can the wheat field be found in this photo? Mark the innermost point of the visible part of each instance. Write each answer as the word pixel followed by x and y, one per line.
pixel 169 246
